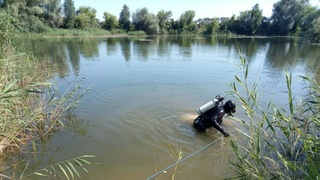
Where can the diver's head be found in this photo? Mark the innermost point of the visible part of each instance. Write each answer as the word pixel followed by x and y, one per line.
pixel 229 107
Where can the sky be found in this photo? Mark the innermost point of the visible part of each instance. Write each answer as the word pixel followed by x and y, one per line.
pixel 202 8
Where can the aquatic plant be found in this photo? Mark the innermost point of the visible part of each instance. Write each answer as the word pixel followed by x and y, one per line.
pixel 277 142
pixel 177 156
pixel 67 168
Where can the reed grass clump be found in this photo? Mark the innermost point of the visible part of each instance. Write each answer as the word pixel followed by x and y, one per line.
pixel 278 142
pixel 31 109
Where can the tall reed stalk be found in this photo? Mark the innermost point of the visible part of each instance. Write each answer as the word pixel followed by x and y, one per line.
pixel 277 143
pixel 177 156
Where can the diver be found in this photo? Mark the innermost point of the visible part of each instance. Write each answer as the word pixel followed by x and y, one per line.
pixel 211 114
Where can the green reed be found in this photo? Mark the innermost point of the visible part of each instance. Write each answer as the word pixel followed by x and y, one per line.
pixel 177 155
pixel 277 143
pixel 67 169
pixel 30 108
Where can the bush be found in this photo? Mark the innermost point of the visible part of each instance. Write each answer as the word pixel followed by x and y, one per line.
pixel 137 33
pixel 118 31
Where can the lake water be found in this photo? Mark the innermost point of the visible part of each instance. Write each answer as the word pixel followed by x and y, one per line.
pixel 144 93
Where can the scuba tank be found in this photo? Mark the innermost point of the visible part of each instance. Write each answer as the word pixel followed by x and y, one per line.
pixel 209 105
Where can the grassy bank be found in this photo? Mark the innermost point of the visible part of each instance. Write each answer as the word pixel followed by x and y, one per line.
pixel 97 32
pixel 67 33
pixel 92 32
pixel 278 142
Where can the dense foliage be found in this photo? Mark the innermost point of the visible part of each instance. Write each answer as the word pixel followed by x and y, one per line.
pixel 124 18
pixel 164 24
pixel 186 23
pixel 287 15
pixel 110 21
pixel 289 18
pixel 69 14
pixel 145 21
pixel 86 18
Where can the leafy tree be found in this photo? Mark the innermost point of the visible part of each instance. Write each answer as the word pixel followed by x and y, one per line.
pixel 48 11
pixel 28 15
pixel 310 25
pixel 203 21
pixel 110 21
pixel 224 25
pixel 186 22
pixel 69 13
pixel 164 17
pixel 34 15
pixel 265 27
pixel 124 18
pixel 208 26
pixel 52 13
pixel 212 27
pixel 202 24
pixel 254 20
pixel 241 23
pixel 174 26
pixel 248 22
pixel 186 18
pixel 145 21
pixel 86 18
pixel 230 25
pixel 286 16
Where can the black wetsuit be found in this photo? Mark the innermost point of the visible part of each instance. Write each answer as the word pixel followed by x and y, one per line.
pixel 211 118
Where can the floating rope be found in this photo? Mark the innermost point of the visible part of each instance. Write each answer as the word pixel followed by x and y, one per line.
pixel 190 155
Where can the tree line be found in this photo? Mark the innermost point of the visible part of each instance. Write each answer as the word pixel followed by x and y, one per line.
pixel 289 18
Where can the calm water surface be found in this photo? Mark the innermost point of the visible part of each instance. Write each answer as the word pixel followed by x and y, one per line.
pixel 144 93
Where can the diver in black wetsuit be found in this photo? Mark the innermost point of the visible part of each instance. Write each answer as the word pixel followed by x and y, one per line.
pixel 214 116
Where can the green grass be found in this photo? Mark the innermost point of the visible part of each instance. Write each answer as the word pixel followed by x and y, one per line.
pixel 68 33
pixel 78 33
pixel 277 142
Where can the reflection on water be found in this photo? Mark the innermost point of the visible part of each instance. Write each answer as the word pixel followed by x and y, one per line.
pixel 144 93
pixel 279 52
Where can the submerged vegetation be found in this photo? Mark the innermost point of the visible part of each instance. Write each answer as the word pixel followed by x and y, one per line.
pixel 281 143
pixel 31 109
